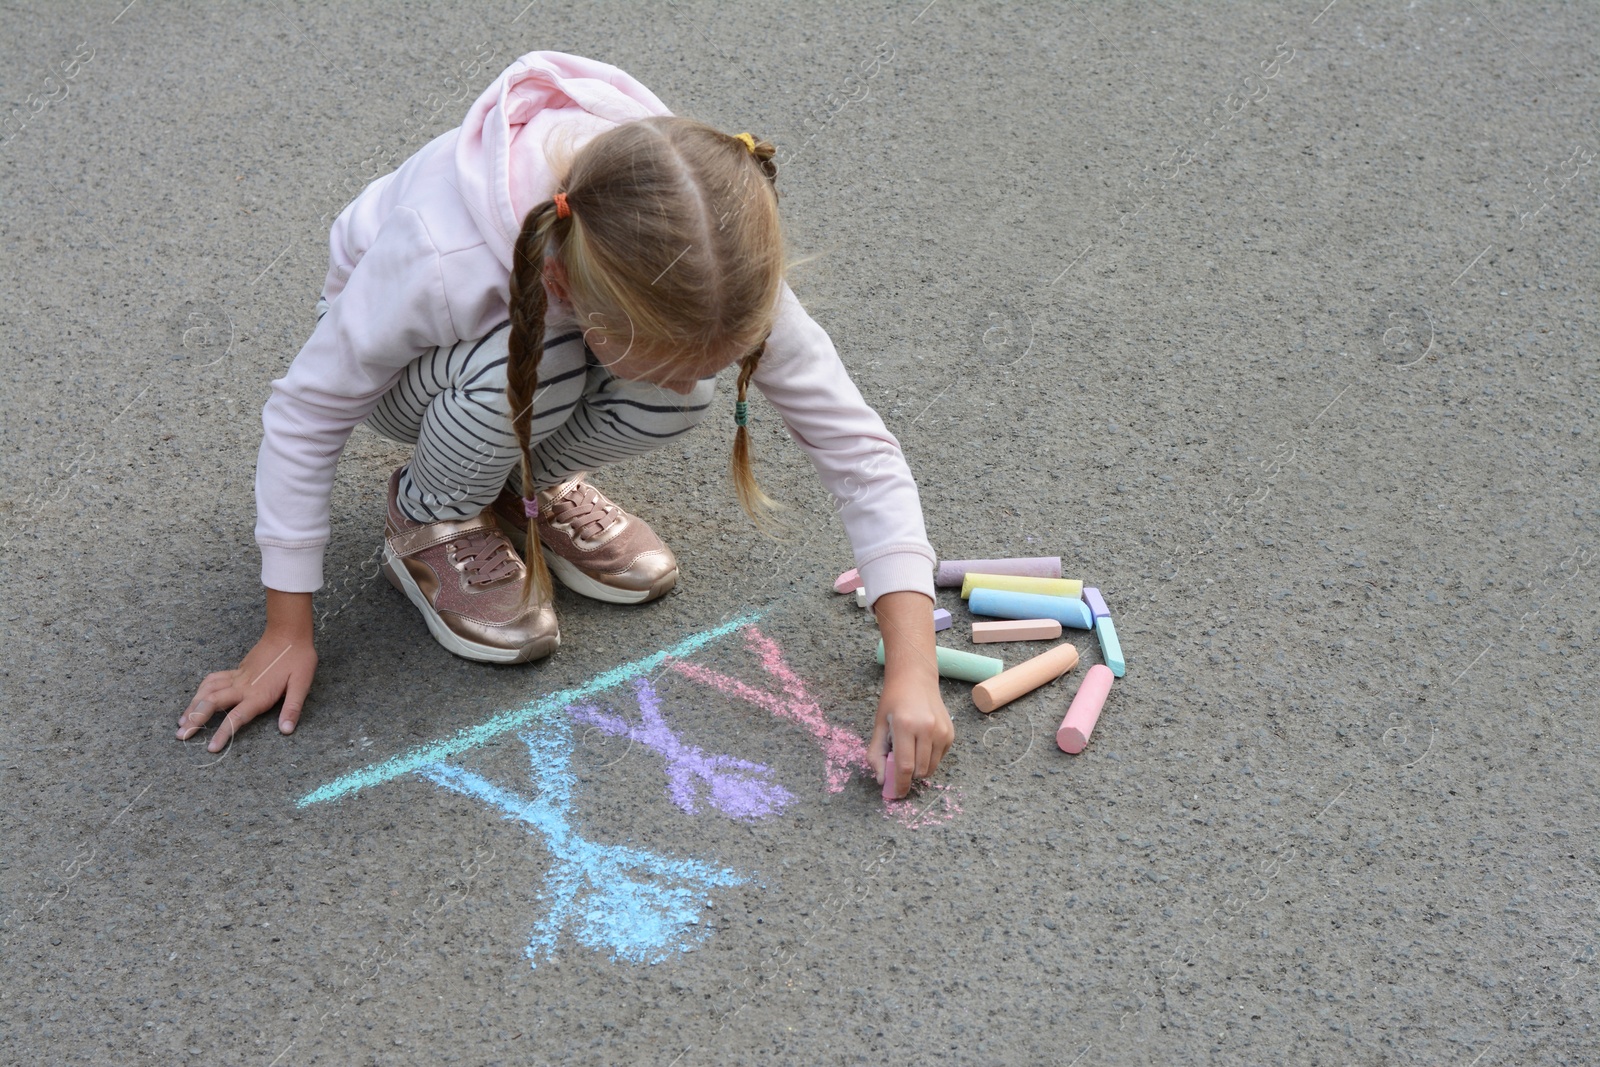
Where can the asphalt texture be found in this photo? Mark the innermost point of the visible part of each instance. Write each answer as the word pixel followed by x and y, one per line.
pixel 1278 323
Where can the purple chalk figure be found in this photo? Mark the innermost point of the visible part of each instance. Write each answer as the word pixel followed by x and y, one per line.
pixel 1096 602
pixel 737 786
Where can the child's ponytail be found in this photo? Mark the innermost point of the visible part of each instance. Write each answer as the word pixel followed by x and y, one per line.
pixel 756 504
pixel 525 345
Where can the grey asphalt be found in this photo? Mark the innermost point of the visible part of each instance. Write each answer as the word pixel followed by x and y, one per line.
pixel 1278 322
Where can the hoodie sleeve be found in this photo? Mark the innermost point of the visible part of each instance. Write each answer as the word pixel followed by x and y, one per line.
pixel 392 309
pixel 858 459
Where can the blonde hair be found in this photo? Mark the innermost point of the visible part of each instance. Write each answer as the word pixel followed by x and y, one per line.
pixel 671 227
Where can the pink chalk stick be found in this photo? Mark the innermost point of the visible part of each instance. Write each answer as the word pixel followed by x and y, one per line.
pixel 954 572
pixel 1084 712
pixel 850 581
pixel 888 778
pixel 984 633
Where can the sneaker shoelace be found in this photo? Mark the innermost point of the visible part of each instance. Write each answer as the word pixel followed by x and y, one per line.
pixel 583 508
pixel 485 557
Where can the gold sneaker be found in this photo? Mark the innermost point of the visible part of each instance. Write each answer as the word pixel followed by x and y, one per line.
pixel 592 546
pixel 465 578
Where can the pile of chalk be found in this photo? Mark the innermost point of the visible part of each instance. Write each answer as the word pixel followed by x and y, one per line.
pixel 1034 603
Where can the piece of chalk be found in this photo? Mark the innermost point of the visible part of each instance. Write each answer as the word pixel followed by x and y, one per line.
pixel 984 633
pixel 1024 678
pixel 848 582
pixel 1096 602
pixel 889 792
pixel 861 598
pixel 1071 587
pixel 966 666
pixel 1005 605
pixel 1084 711
pixel 941 619
pixel 952 572
pixel 1110 647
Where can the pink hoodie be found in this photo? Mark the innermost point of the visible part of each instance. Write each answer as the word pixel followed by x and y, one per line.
pixel 422 258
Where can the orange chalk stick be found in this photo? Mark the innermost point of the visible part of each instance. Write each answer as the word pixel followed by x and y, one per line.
pixel 1024 678
pixel 1084 712
pixel 984 633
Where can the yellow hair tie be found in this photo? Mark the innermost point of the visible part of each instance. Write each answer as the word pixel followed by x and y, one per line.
pixel 749 142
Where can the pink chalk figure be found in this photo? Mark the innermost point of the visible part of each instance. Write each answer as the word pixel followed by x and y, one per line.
pixel 737 787
pixel 843 750
pixel 914 812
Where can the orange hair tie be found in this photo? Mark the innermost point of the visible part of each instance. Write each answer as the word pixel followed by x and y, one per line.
pixel 562 210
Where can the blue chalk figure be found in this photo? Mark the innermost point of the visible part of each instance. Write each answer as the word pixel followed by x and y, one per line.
pixel 1110 647
pixel 641 905
pixel 1002 604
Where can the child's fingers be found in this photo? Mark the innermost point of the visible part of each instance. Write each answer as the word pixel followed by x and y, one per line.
pixel 912 755
pixel 877 747
pixel 206 692
pixel 247 709
pixel 204 708
pixel 294 699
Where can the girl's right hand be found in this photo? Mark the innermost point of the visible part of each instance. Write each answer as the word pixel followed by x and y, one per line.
pixel 280 666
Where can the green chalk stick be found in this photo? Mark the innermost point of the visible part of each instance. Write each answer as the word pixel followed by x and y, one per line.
pixel 967 666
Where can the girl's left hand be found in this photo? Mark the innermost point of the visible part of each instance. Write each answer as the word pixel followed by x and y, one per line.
pixel 911 708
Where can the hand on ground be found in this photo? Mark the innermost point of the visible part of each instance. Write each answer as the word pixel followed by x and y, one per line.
pixel 278 668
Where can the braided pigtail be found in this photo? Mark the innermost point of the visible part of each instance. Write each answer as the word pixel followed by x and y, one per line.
pixel 755 503
pixel 528 305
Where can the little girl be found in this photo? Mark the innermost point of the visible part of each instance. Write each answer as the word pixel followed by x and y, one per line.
pixel 552 287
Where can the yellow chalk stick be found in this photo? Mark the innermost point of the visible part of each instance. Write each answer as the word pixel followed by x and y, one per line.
pixel 1012 583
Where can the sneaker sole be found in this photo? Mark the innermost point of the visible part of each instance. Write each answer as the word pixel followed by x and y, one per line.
pixel 579 582
pixel 401 579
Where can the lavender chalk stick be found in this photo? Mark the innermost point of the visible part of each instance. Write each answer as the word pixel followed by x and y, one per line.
pixel 1006 605
pixel 1096 602
pixel 951 572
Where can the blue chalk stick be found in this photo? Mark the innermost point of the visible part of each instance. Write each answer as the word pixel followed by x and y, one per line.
pixel 1096 602
pixel 941 620
pixel 1110 647
pixel 1068 611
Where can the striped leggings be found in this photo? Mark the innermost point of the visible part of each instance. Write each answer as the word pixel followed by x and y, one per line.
pixel 451 403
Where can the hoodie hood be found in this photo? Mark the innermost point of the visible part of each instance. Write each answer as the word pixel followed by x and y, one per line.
pixel 502 164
